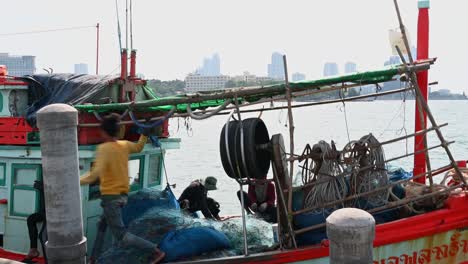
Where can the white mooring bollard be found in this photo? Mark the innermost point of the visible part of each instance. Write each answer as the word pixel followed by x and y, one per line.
pixel 351 234
pixel 57 124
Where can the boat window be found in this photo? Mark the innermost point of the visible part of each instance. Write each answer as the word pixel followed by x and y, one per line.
pixel 154 170
pixel 135 172
pixel 2 174
pixel 24 198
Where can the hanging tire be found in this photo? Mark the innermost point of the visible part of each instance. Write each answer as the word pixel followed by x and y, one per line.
pixel 232 134
pixel 257 161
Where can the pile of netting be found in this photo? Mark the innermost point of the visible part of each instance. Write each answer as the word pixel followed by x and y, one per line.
pixel 151 214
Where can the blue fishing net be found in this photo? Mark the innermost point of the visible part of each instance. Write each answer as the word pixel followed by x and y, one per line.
pixel 151 214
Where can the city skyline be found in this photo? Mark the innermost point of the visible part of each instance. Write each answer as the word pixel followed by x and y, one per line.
pixel 211 66
pixel 81 68
pixel 18 65
pixel 173 49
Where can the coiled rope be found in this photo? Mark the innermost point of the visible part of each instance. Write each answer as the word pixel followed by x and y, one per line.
pixel 210 114
pixel 331 190
pixel 368 152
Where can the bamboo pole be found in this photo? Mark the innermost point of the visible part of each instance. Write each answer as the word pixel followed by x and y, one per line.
pixel 267 109
pixel 291 134
pixel 387 206
pixel 316 155
pixel 369 167
pixel 424 104
pixel 284 207
pixel 410 135
pixel 322 102
pixel 224 94
pixel 364 194
pixel 421 120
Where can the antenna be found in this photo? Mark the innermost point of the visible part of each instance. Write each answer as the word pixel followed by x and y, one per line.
pixel 131 25
pixel 118 26
pixel 126 24
pixel 97 48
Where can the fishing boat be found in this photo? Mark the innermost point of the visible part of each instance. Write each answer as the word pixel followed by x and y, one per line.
pixel 435 231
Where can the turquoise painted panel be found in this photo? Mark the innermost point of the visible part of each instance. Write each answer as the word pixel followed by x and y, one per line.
pixel 25 176
pixel 16 236
pixel 2 174
pixel 24 202
pixel 3 212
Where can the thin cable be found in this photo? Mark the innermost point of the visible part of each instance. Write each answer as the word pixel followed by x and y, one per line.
pixel 164 165
pixel 345 116
pixel 131 25
pixel 118 26
pixel 126 24
pixel 46 31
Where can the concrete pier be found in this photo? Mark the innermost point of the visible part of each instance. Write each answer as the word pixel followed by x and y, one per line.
pixel 57 124
pixel 351 234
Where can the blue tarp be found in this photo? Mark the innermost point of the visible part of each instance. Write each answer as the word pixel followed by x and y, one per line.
pixel 64 88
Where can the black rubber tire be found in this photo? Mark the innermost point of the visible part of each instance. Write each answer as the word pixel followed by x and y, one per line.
pixel 257 162
pixel 232 134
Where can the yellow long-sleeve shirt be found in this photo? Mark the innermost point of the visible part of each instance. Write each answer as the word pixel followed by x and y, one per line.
pixel 111 166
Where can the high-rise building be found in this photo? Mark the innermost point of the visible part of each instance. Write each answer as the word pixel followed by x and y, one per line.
pixel 350 67
pixel 276 67
pixel 395 60
pixel 297 76
pixel 18 65
pixel 81 68
pixel 211 66
pixel 330 69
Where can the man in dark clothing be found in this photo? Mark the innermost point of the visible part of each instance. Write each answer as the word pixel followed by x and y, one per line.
pixel 194 197
pixel 261 199
pixel 32 222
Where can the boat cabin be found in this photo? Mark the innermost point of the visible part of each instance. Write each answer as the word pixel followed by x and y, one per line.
pixel 21 164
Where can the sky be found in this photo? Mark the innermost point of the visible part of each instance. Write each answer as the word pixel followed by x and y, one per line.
pixel 173 37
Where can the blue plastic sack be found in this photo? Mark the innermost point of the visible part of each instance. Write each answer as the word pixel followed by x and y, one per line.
pixel 186 243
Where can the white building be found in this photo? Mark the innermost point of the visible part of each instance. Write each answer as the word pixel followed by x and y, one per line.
pixel 18 65
pixel 81 68
pixel 196 82
pixel 250 78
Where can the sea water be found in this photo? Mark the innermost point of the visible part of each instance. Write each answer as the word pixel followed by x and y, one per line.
pixel 198 156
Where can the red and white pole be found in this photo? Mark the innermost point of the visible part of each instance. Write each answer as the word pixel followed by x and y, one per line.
pixel 422 53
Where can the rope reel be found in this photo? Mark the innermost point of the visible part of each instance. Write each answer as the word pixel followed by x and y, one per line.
pixel 330 171
pixel 365 159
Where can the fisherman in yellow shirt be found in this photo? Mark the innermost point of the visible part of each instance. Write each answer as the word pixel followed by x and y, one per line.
pixel 111 169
